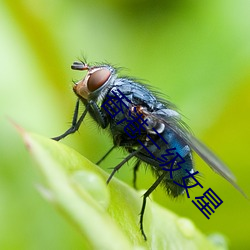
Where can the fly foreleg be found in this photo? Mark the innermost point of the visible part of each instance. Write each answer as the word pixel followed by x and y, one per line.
pixel 75 124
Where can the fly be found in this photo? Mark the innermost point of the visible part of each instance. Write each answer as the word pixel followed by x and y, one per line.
pixel 145 125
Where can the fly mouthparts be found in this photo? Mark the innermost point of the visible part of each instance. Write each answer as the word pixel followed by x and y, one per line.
pixel 79 66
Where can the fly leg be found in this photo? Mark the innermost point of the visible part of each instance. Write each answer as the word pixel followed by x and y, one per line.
pixel 75 124
pixel 122 163
pixel 145 196
pixel 97 114
pixel 135 169
pixel 105 155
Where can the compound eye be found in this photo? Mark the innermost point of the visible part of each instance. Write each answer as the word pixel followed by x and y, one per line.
pixel 97 79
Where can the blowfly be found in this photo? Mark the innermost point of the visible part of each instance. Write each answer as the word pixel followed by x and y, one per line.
pixel 148 127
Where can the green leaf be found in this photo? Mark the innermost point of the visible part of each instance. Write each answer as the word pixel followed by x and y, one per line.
pixel 107 215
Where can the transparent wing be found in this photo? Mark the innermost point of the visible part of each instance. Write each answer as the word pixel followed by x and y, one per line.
pixel 176 125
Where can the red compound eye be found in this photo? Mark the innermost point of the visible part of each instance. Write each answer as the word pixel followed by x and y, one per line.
pixel 97 79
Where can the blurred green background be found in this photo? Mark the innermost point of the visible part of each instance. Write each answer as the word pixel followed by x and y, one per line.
pixel 197 53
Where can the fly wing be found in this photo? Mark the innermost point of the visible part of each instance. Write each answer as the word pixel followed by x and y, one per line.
pixel 175 124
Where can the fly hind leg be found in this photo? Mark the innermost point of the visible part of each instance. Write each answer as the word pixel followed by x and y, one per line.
pixel 145 196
